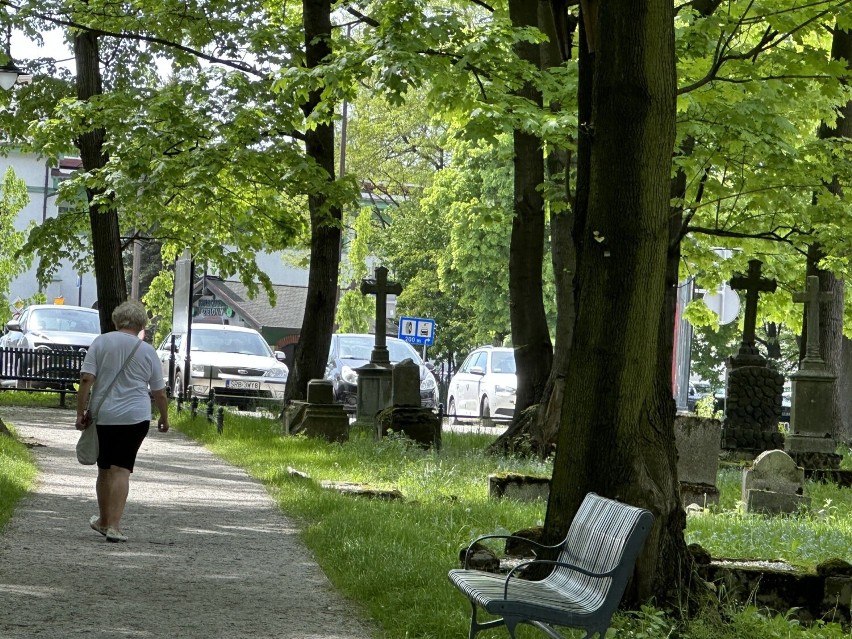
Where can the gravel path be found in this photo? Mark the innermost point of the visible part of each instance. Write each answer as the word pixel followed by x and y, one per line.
pixel 209 554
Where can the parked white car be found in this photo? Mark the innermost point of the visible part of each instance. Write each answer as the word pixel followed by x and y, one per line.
pixel 484 386
pixel 233 362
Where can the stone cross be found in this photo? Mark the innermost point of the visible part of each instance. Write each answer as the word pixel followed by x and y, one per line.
pixel 812 298
pixel 381 288
pixel 752 284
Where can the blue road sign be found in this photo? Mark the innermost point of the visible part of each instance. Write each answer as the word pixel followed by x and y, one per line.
pixel 417 330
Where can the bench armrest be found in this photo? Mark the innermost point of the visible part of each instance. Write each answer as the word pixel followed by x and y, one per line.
pixel 524 539
pixel 564 564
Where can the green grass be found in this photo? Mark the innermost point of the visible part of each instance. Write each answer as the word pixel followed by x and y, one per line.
pixel 824 531
pixel 17 474
pixel 392 557
pixel 43 399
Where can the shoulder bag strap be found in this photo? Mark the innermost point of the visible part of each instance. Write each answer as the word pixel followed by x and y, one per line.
pixel 114 379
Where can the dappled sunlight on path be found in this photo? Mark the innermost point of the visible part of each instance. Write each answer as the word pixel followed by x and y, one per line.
pixel 209 555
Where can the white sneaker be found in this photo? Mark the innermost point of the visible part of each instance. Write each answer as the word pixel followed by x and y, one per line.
pixel 114 535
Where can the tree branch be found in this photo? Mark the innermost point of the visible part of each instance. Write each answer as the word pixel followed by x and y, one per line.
pixel 138 37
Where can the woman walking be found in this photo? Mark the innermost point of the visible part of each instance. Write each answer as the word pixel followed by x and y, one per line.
pixel 125 368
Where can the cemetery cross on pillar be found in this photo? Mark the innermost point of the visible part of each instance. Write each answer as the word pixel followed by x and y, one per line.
pixel 812 298
pixel 381 288
pixel 752 283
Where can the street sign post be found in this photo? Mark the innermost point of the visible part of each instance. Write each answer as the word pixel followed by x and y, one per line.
pixel 417 330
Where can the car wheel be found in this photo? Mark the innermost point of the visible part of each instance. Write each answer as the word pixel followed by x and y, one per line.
pixel 451 412
pixel 486 412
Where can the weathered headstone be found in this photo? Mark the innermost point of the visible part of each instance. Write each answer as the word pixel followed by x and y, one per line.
pixel 406 384
pixel 698 441
pixel 320 416
pixel 374 379
pixel 406 416
pixel 754 390
pixel 810 440
pixel 774 484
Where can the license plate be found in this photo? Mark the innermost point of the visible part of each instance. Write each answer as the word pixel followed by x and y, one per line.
pixel 238 383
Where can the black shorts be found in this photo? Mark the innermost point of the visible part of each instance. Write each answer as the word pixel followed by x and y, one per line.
pixel 119 443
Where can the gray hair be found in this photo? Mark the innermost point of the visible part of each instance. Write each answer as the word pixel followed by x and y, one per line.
pixel 130 314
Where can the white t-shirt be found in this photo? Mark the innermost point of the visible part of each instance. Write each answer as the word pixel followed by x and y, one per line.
pixel 128 401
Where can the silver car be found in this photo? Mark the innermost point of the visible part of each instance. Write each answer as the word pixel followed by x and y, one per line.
pixel 231 364
pixel 485 385
pixel 53 339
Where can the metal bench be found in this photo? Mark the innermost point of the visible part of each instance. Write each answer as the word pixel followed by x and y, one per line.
pixel 595 562
pixel 41 369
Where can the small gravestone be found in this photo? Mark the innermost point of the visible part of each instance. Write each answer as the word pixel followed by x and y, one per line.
pixel 319 416
pixel 406 416
pixel 774 485
pixel 406 384
pixel 699 442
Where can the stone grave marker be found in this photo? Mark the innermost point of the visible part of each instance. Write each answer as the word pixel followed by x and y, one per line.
pixel 753 393
pixel 810 440
pixel 406 416
pixel 320 416
pixel 374 379
pixel 774 484
pixel 699 442
pixel 406 384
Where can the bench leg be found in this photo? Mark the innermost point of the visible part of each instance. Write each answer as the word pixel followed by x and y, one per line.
pixel 476 626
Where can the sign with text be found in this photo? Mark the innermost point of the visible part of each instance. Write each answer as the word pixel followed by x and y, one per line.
pixel 417 330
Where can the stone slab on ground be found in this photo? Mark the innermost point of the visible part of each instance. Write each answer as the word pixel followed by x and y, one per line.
pixel 209 555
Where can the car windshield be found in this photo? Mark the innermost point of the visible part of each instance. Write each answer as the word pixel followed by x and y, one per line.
pixel 503 362
pixel 230 342
pixel 361 346
pixel 64 319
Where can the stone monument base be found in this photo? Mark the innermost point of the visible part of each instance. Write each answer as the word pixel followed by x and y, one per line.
pixel 769 502
pixel 418 424
pixel 327 421
pixel 817 461
pixel 751 439
pixel 809 444
pixel 701 494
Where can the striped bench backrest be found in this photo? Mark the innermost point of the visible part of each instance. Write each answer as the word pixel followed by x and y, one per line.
pixel 604 534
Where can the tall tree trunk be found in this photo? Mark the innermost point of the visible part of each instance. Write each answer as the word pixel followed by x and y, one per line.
pixel 617 436
pixel 535 432
pixel 318 324
pixel 530 333
pixel 103 219
pixel 831 314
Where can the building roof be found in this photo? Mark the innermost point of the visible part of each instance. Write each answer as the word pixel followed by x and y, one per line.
pixel 258 312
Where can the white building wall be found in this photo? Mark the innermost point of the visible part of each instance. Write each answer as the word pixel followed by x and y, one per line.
pixel 40 188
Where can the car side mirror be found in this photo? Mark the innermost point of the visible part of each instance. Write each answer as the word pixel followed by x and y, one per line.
pixel 279 355
pixel 429 365
pixel 14 325
pixel 477 370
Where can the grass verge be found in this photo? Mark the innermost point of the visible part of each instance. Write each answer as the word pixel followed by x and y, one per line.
pixel 17 474
pixel 40 399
